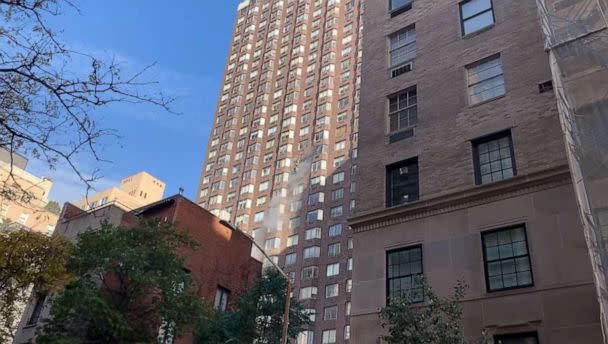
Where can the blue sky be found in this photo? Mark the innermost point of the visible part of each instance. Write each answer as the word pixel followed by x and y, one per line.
pixel 188 40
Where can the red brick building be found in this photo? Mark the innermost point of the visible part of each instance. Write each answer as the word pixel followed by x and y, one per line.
pixel 222 263
pixel 221 267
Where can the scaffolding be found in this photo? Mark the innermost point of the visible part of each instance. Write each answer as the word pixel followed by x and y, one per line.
pixel 576 37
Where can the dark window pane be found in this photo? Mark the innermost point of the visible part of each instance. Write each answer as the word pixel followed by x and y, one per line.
pixel 525 338
pixel 507 261
pixel 402 182
pixel 395 4
pixel 404 274
pixel 493 160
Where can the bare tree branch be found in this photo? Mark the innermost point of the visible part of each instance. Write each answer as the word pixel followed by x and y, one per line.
pixel 47 109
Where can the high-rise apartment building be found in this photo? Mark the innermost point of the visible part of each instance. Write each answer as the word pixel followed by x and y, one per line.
pixel 464 174
pixel 281 161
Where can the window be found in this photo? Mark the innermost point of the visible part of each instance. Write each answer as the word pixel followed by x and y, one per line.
pixel 258 217
pixel 404 274
pixel 306 337
pixel 316 198
pixel 476 15
pixel 310 272
pixel 294 222
pixel 24 216
pixel 338 177
pixel 485 80
pixel 335 230
pixel 399 5
pixel 329 336
pixel 221 299
pixel 333 269
pixel 507 259
pixel 349 264
pixel 315 215
pixel 290 259
pixel 38 306
pixel 520 338
pixel 349 285
pixel 347 332
pixel 336 212
pixel 308 293
pixel 313 233
pixel 333 250
pixel 402 46
pixel 402 110
pixel 292 240
pixel 331 290
pixel 312 252
pixel 272 244
pixel 402 182
pixel 330 313
pixel 493 157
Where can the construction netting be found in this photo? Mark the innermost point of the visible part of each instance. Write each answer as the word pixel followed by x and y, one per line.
pixel 576 37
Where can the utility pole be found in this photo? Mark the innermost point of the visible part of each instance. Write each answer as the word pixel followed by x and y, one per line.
pixel 285 333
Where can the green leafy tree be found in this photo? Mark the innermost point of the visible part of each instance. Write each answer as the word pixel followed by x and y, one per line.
pixel 258 316
pixel 437 321
pixel 53 207
pixel 29 261
pixel 129 282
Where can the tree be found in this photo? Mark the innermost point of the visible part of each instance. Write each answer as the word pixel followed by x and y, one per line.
pixel 28 261
pixel 53 207
pixel 257 318
pixel 438 321
pixel 47 101
pixel 129 282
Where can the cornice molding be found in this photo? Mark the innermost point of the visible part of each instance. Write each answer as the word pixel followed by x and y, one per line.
pixel 478 195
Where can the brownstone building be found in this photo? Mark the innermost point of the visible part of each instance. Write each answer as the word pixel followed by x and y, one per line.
pixel 281 159
pixel 464 174
pixel 221 267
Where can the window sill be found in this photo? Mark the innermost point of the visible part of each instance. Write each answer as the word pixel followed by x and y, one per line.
pixel 495 182
pixel 487 101
pixel 400 135
pixel 478 32
pixel 510 290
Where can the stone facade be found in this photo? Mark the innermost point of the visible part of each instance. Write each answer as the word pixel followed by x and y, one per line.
pixel 453 212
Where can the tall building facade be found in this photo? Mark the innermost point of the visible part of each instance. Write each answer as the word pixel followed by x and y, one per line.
pixel 464 175
pixel 281 160
pixel 24 196
pixel 133 192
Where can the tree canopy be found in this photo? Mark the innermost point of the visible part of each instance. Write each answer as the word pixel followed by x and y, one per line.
pixel 128 283
pixel 436 321
pixel 28 261
pixel 53 207
pixel 258 316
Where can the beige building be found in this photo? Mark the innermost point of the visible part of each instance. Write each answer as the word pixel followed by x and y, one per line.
pixel 464 174
pixel 24 196
pixel 133 192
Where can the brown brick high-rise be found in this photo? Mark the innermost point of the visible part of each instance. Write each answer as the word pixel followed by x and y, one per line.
pixel 464 174
pixel 281 160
